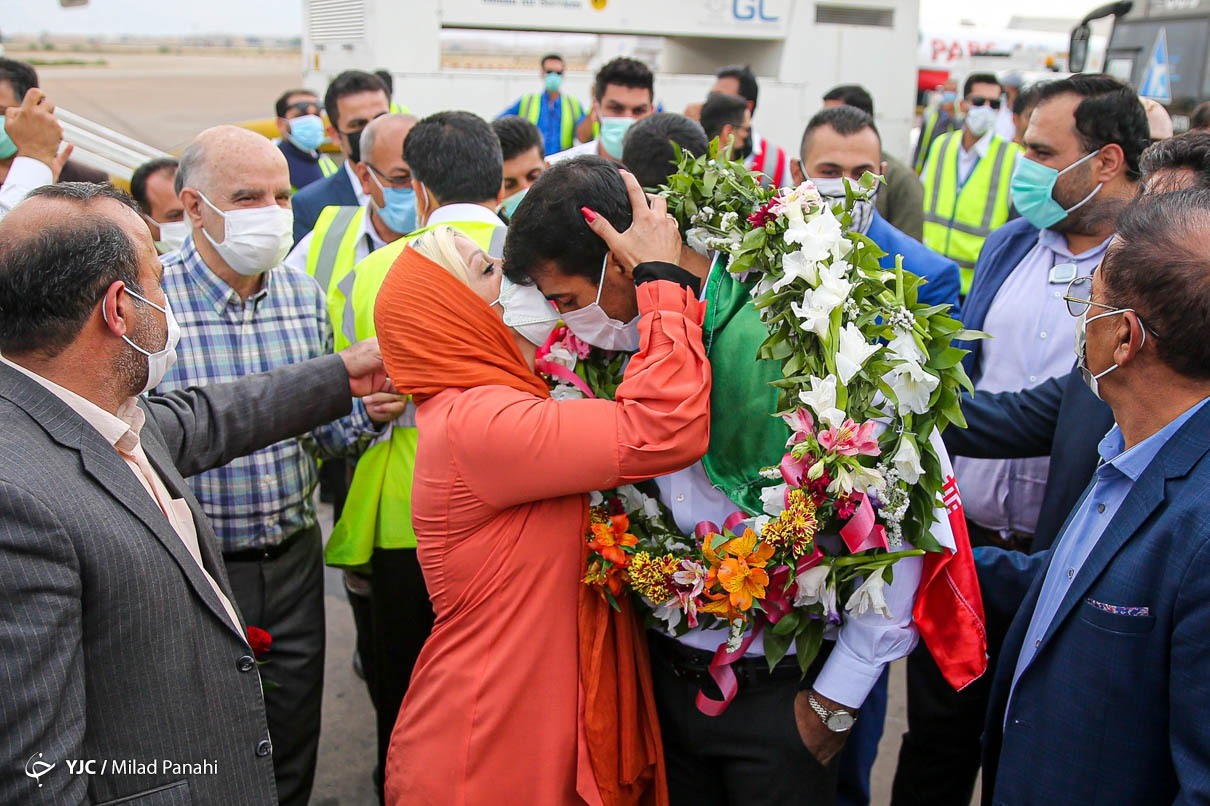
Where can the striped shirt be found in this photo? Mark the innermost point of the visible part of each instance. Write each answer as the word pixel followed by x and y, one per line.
pixel 259 500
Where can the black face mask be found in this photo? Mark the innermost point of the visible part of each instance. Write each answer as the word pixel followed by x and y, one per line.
pixel 745 152
pixel 354 139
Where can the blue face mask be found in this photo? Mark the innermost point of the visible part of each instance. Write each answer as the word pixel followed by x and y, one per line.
pixel 554 82
pixel 306 132
pixel 399 209
pixel 613 133
pixel 7 146
pixel 1033 187
pixel 509 206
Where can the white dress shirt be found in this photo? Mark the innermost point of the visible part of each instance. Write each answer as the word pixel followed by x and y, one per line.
pixel 968 160
pixel 362 196
pixel 367 242
pixel 122 432
pixel 25 174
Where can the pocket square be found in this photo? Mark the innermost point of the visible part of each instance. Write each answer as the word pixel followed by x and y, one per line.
pixel 1118 610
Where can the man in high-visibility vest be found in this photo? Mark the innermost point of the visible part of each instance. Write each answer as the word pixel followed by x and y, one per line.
pixel 302 133
pixel 375 529
pixel 555 113
pixel 344 236
pixel 940 118
pixel 967 178
pixel 623 93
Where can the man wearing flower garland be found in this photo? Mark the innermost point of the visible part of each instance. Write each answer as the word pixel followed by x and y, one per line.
pixel 713 758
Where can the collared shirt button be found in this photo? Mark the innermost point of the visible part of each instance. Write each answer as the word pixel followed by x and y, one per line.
pixel 1033 378
pixel 680 498
pixel 1101 509
pixel 1058 294
pixel 263 748
pixel 1071 572
pixel 1037 643
pixel 1042 335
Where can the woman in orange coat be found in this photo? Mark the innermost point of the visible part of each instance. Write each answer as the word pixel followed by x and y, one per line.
pixel 531 689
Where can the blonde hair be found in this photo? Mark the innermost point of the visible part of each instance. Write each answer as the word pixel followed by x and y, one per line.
pixel 439 247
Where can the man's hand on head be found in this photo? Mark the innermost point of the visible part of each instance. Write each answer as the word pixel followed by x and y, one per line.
pixel 35 131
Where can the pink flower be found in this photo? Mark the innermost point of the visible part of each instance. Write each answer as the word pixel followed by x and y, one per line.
pixel 794 471
pixel 801 423
pixel 578 347
pixel 849 439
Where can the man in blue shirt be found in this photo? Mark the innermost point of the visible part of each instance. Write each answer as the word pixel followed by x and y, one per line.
pixel 1104 677
pixel 302 133
pixel 556 115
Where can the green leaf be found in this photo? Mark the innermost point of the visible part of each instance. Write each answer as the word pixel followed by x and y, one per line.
pixel 788 624
pixel 776 647
pixel 808 643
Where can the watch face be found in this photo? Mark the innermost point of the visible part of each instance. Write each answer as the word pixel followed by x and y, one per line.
pixel 840 722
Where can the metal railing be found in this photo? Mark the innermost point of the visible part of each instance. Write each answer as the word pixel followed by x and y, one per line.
pixel 103 148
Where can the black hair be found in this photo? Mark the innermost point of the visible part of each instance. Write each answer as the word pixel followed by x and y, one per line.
pixel 51 279
pixel 1027 98
pixel 350 82
pixel 549 227
pixel 1200 119
pixel 1190 151
pixel 282 105
pixel 979 78
pixel 1157 265
pixel 457 156
pixel 1110 112
pixel 844 120
pixel 623 72
pixel 550 56
pixel 742 73
pixel 721 110
pixel 387 80
pixel 138 179
pixel 21 76
pixel 516 135
pixel 647 151
pixel 852 95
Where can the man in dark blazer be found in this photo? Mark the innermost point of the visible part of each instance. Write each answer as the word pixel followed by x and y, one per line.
pixel 1103 681
pixel 125 673
pixel 352 100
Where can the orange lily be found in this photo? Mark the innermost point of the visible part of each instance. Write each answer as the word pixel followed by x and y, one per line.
pixel 739 567
pixel 610 538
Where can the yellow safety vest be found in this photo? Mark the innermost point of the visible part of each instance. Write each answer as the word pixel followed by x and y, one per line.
pixel 957 220
pixel 397 109
pixel 327 166
pixel 330 260
pixel 531 110
pixel 378 510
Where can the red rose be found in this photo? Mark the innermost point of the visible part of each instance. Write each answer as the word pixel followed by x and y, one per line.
pixel 259 640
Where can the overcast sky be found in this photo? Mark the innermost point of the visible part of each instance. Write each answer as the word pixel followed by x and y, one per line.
pixel 283 17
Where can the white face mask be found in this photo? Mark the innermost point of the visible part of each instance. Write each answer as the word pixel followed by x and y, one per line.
pixel 527 311
pixel 1082 349
pixel 981 119
pixel 160 361
pixel 862 213
pixel 256 239
pixel 172 233
pixel 593 325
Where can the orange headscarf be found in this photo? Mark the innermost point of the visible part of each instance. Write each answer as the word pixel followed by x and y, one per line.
pixel 437 334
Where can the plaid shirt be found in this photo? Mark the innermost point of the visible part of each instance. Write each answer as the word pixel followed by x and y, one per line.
pixel 259 500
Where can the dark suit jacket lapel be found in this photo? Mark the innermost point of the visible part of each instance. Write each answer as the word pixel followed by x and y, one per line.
pixel 105 465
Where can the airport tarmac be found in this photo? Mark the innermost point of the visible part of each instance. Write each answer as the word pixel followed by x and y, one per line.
pixel 164 100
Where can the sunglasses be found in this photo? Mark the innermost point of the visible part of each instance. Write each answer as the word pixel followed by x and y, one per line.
pixel 303 108
pixel 994 103
pixel 554 72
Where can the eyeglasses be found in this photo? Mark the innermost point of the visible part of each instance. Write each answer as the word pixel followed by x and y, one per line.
pixel 1079 300
pixel 977 100
pixel 391 181
pixel 303 108
pixel 554 72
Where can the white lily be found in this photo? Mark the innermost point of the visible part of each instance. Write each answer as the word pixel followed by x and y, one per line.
pixel 905 348
pixel 796 266
pixel 868 598
pixel 819 236
pixel 814 588
pixel 821 398
pixel 854 351
pixel 912 385
pixel 695 238
pixel 907 460
pixel 773 500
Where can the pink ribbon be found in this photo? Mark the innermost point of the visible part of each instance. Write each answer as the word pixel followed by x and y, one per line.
pixel 724 676
pixel 706 528
pixel 564 374
pixel 862 531
pixel 778 599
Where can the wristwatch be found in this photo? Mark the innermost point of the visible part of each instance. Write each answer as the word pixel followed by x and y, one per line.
pixel 838 721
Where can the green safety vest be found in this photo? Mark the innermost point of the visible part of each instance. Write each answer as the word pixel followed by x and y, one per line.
pixel 531 109
pixel 378 509
pixel 327 165
pixel 330 260
pixel 958 220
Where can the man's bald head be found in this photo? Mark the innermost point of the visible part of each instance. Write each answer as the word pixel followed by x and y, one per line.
pixel 60 250
pixel 222 154
pixel 381 135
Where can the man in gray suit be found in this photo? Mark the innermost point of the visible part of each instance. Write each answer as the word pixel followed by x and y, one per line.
pixel 124 670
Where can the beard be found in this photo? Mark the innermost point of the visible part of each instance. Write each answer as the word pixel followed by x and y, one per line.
pixel 132 366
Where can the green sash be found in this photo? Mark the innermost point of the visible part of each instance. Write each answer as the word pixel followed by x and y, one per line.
pixel 744 434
